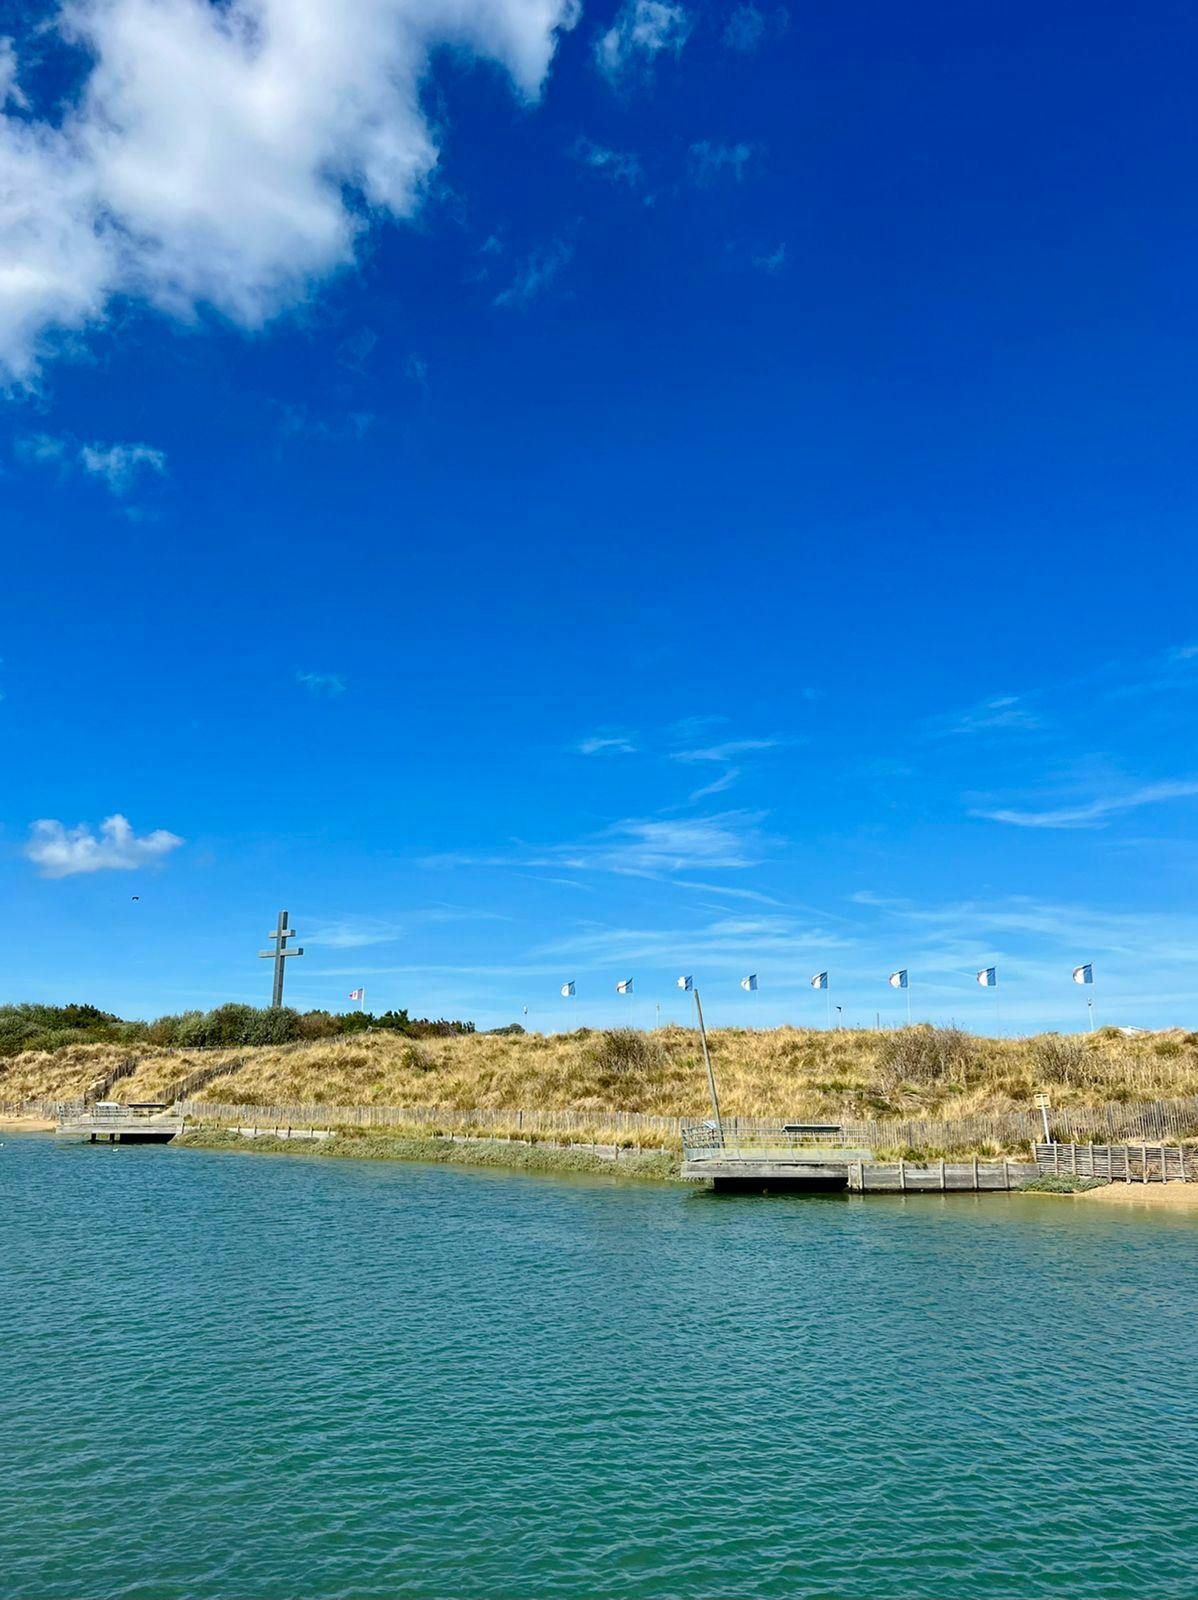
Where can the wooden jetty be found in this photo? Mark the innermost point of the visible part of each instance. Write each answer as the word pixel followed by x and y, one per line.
pixel 797 1156
pixel 108 1122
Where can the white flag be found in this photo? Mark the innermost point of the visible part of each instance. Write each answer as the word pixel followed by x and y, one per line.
pixel 625 987
pixel 1083 974
pixel 686 983
pixel 898 980
pixel 988 977
pixel 568 989
pixel 820 981
pixel 750 982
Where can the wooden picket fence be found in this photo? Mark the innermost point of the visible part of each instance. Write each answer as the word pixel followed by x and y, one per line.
pixel 1128 1163
pixel 1155 1122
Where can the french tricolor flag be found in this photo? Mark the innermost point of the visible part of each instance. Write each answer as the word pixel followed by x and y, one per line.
pixel 988 977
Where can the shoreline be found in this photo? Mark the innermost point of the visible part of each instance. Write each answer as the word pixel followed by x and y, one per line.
pixel 564 1161
pixel 499 1154
pixel 27 1124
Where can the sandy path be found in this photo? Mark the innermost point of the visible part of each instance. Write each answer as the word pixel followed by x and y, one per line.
pixel 42 1125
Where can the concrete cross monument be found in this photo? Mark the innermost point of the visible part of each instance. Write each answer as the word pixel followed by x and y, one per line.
pixel 279 954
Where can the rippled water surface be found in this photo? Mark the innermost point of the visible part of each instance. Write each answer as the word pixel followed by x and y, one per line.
pixel 250 1376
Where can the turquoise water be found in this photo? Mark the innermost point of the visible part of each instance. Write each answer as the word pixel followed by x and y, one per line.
pixel 246 1376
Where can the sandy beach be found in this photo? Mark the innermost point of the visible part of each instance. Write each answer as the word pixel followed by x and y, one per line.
pixel 1175 1196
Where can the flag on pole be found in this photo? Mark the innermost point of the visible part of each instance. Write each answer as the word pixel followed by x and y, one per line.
pixel 567 989
pixel 1083 974
pixel 686 983
pixel 357 994
pixel 625 987
pixel 898 980
pixel 988 977
pixel 820 981
pixel 749 983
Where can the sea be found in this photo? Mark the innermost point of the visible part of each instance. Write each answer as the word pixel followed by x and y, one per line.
pixel 230 1376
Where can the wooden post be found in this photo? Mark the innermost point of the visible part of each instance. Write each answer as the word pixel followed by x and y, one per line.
pixel 902 1174
pixel 976 1185
pixel 942 1183
pixel 1006 1170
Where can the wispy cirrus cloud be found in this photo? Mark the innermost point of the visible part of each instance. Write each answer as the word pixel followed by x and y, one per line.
pixel 1093 813
pixel 729 748
pixel 1004 713
pixel 724 754
pixel 607 741
pixel 748 27
pixel 642 30
pixel 536 273
pixel 649 847
pixel 620 166
pixel 710 160
pixel 737 938
pixel 119 467
pixel 322 683
pixel 62 852
pixel 352 933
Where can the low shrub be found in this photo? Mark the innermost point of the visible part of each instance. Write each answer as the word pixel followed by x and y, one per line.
pixel 621 1051
pixel 1062 1183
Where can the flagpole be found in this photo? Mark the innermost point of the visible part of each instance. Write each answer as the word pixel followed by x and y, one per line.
pixel 715 1099
pixel 908 999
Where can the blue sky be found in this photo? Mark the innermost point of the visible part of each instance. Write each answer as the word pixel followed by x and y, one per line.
pixel 550 494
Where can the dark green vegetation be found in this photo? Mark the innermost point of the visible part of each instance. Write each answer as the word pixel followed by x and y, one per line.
pixel 36 1027
pixel 1061 1183
pixel 370 1145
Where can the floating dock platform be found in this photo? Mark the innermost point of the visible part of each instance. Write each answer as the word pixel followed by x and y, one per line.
pixel 108 1122
pixel 813 1156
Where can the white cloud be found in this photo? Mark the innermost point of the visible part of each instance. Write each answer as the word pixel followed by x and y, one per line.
pixel 748 27
pixel 641 847
pixel 60 852
pixel 326 683
pixel 641 31
pixel 725 752
pixel 717 785
pixel 1004 712
pixel 621 166
pixel 118 466
pixel 536 273
pixel 226 156
pixel 610 740
pixel 710 161
pixel 352 933
pixel 1093 813
pixel 773 262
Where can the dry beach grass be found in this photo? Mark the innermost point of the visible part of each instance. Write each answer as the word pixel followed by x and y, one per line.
pixel 780 1072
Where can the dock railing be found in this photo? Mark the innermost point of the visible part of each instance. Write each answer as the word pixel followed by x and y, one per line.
pixel 742 1137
